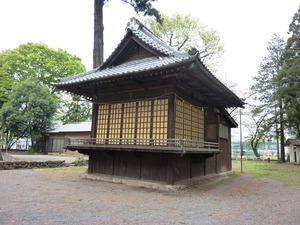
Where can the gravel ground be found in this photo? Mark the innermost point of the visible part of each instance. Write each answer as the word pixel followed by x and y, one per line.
pixel 62 197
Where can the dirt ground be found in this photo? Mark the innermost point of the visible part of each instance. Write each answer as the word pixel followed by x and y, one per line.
pixel 62 197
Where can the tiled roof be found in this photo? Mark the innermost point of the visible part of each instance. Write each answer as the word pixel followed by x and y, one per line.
pixel 135 66
pixel 149 38
pixel 72 127
pixel 295 142
pixel 159 58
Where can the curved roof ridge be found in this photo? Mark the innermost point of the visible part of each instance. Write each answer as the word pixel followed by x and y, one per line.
pixel 150 38
pixel 135 66
pixel 145 35
pixel 80 75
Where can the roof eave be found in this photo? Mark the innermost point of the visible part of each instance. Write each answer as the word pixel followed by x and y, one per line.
pixel 237 100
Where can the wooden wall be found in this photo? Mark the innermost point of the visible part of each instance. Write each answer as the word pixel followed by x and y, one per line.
pixel 161 167
pixel 221 162
pixel 56 142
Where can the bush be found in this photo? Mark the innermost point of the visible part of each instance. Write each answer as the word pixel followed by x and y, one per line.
pixel 81 162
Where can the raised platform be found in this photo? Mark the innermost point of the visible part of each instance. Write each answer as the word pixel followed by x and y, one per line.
pixel 152 184
pixel 177 146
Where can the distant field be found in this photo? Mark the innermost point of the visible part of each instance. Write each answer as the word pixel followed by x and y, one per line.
pixel 284 172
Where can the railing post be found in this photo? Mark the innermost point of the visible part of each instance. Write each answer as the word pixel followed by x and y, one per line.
pixel 151 141
pixel 181 141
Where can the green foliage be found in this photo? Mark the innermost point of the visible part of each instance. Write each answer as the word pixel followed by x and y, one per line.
pixel 289 79
pixel 184 32
pixel 266 80
pixel 45 65
pixel 39 61
pixel 28 111
pixel 146 7
pixel 6 80
pixel 75 110
pixel 6 83
pixel 32 151
pixel 80 162
pixel 265 88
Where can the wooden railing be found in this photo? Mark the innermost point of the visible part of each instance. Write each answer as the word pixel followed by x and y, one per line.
pixel 182 144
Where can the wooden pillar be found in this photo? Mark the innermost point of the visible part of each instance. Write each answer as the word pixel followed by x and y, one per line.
pixel 171 116
pixel 151 122
pixel 121 125
pixel 170 170
pixel 136 121
pixel 91 161
pixel 108 124
pixel 171 134
pixel 94 120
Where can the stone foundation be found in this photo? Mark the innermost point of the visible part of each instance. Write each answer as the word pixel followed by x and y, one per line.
pixel 12 165
pixel 153 184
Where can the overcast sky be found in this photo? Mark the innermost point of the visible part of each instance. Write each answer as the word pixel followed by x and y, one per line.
pixel 245 27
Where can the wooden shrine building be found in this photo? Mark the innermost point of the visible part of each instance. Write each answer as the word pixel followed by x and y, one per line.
pixel 158 114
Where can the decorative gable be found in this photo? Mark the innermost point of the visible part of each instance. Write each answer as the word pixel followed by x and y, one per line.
pixel 139 43
pixel 132 51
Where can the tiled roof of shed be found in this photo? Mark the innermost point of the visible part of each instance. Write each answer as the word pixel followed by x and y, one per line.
pixel 72 127
pixel 295 142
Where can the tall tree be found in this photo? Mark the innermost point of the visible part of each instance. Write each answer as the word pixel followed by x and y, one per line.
pixel 44 63
pixel 28 111
pixel 184 32
pixel 266 87
pixel 289 78
pixel 144 6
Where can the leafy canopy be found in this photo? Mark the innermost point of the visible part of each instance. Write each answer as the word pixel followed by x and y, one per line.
pixel 75 109
pixel 266 80
pixel 267 106
pixel 184 32
pixel 28 111
pixel 289 77
pixel 146 7
pixel 40 61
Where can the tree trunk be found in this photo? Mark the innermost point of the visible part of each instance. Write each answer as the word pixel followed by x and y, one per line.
pixel 98 33
pixel 253 143
pixel 1 157
pixel 256 152
pixel 277 134
pixel 281 133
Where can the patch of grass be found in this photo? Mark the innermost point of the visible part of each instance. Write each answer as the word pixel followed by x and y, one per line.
pixel 70 169
pixel 286 173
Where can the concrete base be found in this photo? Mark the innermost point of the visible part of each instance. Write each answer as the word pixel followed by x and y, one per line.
pixel 152 184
